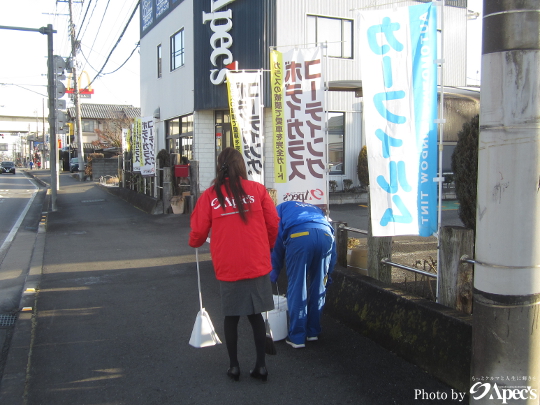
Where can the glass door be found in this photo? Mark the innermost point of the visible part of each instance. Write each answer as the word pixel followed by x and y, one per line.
pixel 222 131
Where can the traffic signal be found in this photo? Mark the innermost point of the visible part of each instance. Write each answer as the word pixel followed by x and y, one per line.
pixel 59 66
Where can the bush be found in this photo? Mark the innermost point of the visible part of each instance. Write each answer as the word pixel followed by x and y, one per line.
pixel 363 169
pixel 465 168
pixel 164 158
pixel 333 185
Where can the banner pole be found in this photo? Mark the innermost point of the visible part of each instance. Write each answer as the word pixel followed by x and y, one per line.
pixel 440 122
pixel 325 81
pixel 261 125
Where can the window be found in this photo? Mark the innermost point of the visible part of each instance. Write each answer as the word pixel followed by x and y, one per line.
pixel 336 32
pixel 223 131
pixel 177 50
pixel 159 61
pixel 88 125
pixel 180 136
pixel 336 142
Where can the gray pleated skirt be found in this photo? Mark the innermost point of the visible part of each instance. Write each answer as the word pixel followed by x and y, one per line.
pixel 246 297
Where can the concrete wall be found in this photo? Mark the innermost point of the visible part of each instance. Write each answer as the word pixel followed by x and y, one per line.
pixel 104 167
pixel 434 337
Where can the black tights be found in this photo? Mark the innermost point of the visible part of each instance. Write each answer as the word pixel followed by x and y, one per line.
pixel 259 335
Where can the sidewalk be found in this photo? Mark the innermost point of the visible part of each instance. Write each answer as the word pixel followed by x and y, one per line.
pixel 114 313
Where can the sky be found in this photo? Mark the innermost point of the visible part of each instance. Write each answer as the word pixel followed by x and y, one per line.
pixel 23 65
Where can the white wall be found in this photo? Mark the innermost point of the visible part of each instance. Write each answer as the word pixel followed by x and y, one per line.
pixel 173 92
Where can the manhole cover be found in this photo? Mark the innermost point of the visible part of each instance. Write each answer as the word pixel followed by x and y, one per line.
pixel 7 320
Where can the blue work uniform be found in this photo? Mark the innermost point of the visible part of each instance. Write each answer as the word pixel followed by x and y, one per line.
pixel 306 244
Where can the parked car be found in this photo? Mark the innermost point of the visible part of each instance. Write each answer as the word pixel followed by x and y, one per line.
pixel 74 165
pixel 7 167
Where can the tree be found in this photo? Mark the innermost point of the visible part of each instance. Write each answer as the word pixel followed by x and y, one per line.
pixel 110 134
pixel 363 169
pixel 465 168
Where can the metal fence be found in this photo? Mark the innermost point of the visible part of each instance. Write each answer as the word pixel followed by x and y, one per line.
pixel 413 261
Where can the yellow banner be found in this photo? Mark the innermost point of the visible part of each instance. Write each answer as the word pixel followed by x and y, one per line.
pixel 277 83
pixel 235 129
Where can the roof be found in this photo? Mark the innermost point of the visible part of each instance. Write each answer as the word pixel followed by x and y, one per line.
pixel 471 93
pixel 104 111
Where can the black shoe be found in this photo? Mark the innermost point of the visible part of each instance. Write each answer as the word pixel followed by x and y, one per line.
pixel 234 373
pixel 260 373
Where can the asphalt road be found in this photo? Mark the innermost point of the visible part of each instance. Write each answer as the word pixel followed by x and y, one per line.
pixel 20 211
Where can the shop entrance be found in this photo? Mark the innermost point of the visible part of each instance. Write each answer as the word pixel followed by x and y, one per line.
pixel 222 131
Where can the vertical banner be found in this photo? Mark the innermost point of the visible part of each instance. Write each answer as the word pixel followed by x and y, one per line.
pixel 125 140
pixel 136 144
pixel 298 114
pixel 276 72
pixel 245 103
pixel 399 80
pixel 148 149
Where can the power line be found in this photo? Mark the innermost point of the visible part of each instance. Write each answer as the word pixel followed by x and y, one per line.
pixel 117 69
pixel 91 15
pixel 117 42
pixel 13 84
pixel 99 28
pixel 84 18
pixel 86 60
pixel 122 65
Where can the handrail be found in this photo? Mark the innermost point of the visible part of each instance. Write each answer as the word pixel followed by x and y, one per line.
pixel 347 228
pixel 402 266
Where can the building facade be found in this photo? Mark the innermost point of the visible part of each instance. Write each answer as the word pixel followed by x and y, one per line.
pixel 97 118
pixel 187 47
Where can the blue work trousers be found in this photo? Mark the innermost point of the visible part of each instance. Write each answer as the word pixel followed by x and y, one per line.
pixel 307 254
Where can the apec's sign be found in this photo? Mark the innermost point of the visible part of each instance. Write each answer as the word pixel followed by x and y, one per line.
pixel 227 34
pixel 221 22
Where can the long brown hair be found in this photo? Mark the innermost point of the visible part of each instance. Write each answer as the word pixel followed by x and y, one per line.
pixel 231 169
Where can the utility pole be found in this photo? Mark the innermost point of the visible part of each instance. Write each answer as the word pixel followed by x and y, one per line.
pixel 78 126
pixel 506 334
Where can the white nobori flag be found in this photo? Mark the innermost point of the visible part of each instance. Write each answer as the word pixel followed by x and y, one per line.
pixel 399 80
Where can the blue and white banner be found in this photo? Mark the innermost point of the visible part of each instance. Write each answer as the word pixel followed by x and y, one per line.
pixel 399 80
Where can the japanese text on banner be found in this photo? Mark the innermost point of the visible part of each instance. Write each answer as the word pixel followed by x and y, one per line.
pixel 245 104
pixel 136 144
pixel 148 154
pixel 400 98
pixel 299 125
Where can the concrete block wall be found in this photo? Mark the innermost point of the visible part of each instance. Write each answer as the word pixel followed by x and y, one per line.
pixel 104 167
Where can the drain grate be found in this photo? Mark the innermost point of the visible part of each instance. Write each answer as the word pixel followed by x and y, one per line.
pixel 7 320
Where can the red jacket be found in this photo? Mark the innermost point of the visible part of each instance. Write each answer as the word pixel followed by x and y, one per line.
pixel 239 250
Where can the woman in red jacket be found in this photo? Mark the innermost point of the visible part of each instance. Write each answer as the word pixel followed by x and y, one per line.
pixel 244 224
